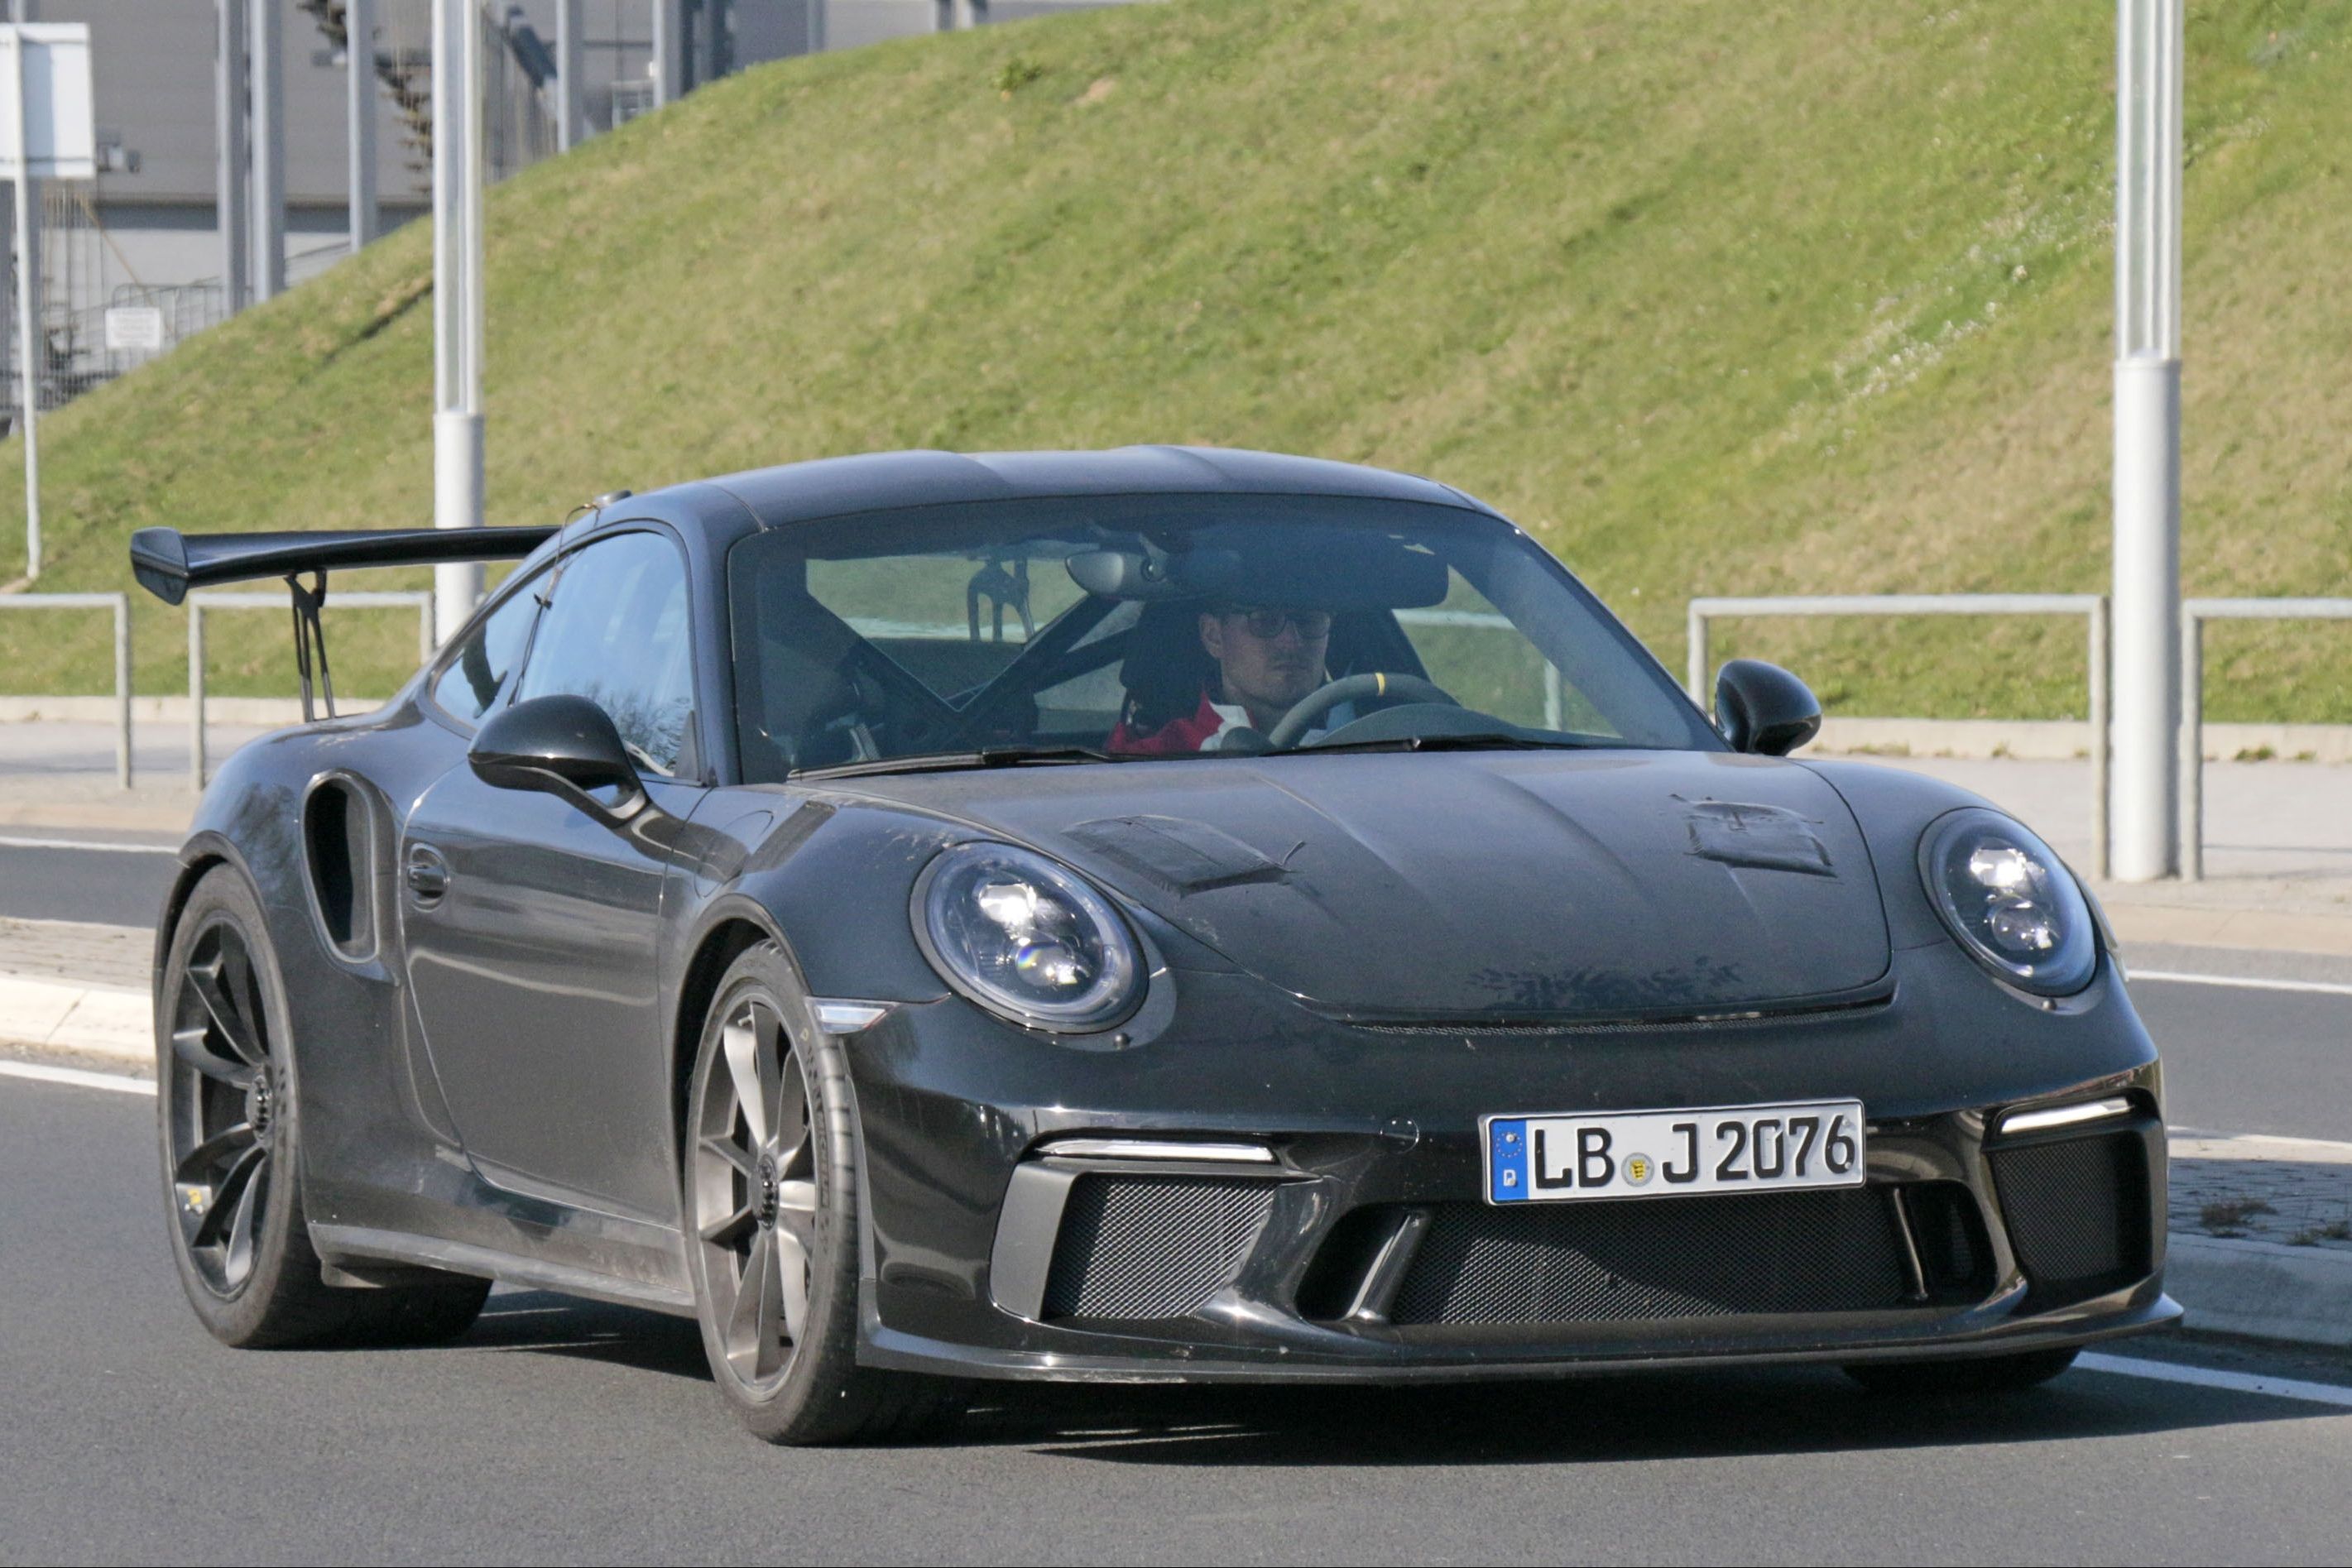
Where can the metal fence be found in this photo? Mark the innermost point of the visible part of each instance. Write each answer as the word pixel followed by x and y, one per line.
pixel 2093 607
pixel 2194 613
pixel 416 599
pixel 121 604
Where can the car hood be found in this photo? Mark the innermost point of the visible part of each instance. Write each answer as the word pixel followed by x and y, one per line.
pixel 1473 885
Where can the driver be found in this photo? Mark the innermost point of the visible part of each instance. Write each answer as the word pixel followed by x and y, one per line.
pixel 1266 660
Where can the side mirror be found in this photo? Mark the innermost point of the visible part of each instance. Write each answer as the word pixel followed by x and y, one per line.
pixel 1764 710
pixel 562 745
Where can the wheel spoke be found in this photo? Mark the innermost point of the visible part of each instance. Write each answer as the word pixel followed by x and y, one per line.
pixel 751 1076
pixel 726 1232
pixel 792 1129
pixel 752 1327
pixel 238 1258
pixel 792 1281
pixel 242 983
pixel 234 1028
pixel 228 1193
pixel 188 1045
pixel 734 1154
pixel 210 1153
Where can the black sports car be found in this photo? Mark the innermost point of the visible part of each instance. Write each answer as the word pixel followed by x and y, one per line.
pixel 1149 914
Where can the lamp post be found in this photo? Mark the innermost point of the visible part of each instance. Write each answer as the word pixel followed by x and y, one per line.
pixel 456 300
pixel 359 57
pixel 568 56
pixel 231 131
pixel 267 82
pixel 2148 56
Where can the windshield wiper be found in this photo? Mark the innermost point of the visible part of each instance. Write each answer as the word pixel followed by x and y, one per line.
pixel 952 761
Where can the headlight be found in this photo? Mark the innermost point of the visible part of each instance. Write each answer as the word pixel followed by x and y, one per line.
pixel 2011 902
pixel 1026 938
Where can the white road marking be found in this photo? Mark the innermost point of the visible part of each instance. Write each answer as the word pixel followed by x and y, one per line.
pixel 2173 977
pixel 2271 1138
pixel 42 1073
pixel 2213 1378
pixel 9 841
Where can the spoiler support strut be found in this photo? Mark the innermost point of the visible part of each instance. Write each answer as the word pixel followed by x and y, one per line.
pixel 310 634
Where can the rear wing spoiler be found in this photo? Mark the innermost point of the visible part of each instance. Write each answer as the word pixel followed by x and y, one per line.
pixel 168 563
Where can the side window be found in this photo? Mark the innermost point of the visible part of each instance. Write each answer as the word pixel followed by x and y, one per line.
pixel 616 633
pixel 471 683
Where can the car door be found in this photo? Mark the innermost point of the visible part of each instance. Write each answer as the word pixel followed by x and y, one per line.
pixel 533 929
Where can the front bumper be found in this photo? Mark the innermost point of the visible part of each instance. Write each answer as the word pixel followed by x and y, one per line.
pixel 990 1253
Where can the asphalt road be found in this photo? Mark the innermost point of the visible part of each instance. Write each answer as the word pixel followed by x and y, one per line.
pixel 119 887
pixel 557 1430
pixel 2236 1059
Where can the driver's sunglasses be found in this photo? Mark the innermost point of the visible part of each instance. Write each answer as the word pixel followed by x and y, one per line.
pixel 1313 625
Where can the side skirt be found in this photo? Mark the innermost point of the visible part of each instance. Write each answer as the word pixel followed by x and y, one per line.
pixel 339 1244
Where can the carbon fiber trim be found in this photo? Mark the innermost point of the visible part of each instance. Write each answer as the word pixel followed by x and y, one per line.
pixel 1152 1247
pixel 1657 1259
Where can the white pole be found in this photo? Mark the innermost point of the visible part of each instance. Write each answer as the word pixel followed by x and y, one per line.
pixel 231 129
pixel 457 312
pixel 668 63
pixel 2149 53
pixel 28 306
pixel 268 83
pixel 359 50
pixel 568 56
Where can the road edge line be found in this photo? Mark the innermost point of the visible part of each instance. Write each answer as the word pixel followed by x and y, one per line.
pixel 2181 977
pixel 2215 1377
pixel 41 1072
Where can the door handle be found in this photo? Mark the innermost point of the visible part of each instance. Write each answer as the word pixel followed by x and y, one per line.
pixel 427 872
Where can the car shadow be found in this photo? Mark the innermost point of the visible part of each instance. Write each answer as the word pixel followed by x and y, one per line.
pixel 540 1323
pixel 1729 1413
pixel 1733 1413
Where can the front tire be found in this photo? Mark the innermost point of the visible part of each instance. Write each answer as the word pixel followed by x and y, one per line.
pixel 772 1211
pixel 1990 1375
pixel 228 1120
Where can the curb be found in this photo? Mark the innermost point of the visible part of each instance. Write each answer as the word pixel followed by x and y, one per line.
pixel 121 812
pixel 98 1020
pixel 2255 930
pixel 2300 1295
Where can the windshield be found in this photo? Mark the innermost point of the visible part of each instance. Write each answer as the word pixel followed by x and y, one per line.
pixel 1173 626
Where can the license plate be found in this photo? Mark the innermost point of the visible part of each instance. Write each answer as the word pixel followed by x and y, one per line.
pixel 1673 1154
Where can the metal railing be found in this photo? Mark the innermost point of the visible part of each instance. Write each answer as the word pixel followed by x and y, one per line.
pixel 198 603
pixel 2093 607
pixel 121 604
pixel 2194 613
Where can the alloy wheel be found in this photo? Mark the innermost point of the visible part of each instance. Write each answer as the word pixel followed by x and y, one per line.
pixel 755 1195
pixel 227 1103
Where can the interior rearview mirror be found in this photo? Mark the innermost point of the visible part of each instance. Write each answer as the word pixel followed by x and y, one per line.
pixel 563 745
pixel 1763 709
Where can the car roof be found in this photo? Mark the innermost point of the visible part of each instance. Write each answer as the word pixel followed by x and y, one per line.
pixel 836 486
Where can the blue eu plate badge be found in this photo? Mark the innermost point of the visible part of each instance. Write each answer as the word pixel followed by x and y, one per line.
pixel 1506 1161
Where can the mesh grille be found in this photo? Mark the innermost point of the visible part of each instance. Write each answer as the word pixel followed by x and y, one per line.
pixel 1671 1258
pixel 2077 1213
pixel 1151 1246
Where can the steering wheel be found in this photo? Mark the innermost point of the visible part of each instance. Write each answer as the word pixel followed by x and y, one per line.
pixel 1347 689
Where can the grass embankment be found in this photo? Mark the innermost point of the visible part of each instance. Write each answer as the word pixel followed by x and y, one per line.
pixel 1717 296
